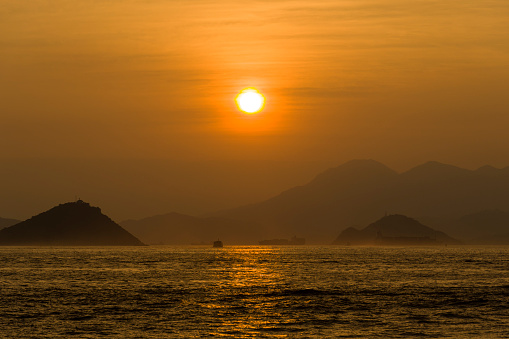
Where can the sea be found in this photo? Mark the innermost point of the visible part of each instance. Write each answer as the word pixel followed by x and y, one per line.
pixel 254 292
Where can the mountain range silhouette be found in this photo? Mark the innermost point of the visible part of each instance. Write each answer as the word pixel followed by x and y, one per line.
pixel 360 191
pixel 353 194
pixel 469 205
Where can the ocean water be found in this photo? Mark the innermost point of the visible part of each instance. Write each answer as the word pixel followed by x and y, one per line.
pixel 254 292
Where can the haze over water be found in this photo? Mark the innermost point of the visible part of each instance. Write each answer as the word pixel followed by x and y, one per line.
pixel 130 104
pixel 242 292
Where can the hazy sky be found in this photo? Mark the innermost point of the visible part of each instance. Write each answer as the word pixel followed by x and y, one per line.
pixel 129 104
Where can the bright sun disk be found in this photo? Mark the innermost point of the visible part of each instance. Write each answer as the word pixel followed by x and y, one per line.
pixel 250 100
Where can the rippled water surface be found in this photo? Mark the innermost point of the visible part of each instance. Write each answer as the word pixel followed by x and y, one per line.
pixel 296 292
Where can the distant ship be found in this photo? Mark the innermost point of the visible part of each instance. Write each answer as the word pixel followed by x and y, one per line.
pixel 218 243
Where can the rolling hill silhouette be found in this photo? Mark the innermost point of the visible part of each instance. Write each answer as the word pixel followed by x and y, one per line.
pixel 69 224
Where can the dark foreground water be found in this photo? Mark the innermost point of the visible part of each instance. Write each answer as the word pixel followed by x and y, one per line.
pixel 295 292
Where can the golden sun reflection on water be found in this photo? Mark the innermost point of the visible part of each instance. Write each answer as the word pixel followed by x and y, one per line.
pixel 247 269
pixel 254 292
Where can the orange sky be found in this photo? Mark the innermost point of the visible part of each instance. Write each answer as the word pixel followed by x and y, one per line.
pixel 95 95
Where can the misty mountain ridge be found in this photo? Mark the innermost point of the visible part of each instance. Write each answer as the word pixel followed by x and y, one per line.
pixel 355 193
pixel 70 224
pixel 360 191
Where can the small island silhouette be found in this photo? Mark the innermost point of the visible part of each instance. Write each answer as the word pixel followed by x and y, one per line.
pixel 70 224
pixel 394 230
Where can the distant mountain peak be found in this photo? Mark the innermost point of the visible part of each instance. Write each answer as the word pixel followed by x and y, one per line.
pixel 436 169
pixel 487 169
pixel 439 165
pixel 363 162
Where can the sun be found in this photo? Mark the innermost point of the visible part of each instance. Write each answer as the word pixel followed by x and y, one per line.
pixel 250 100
